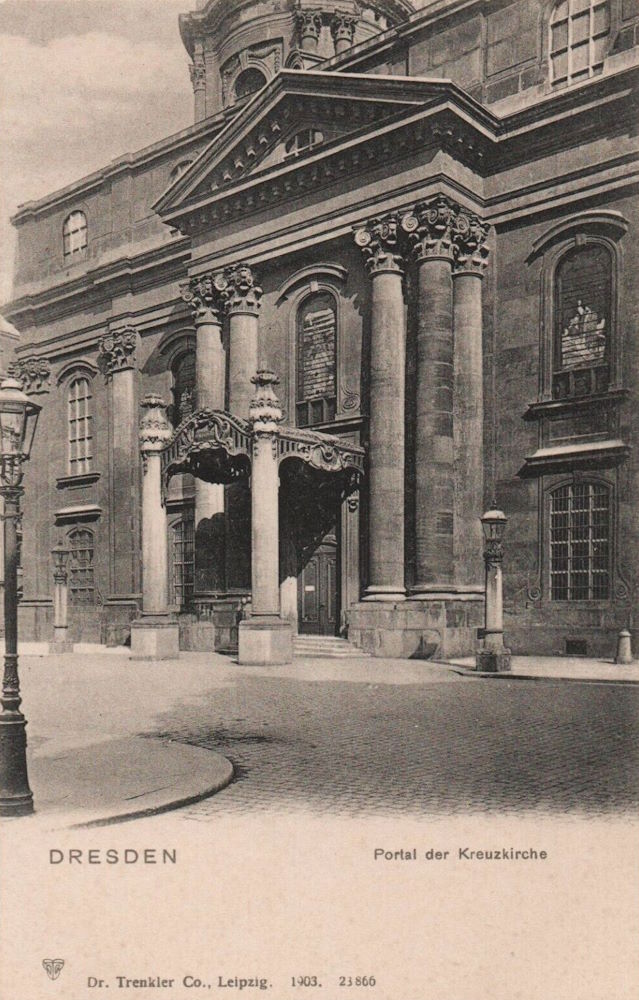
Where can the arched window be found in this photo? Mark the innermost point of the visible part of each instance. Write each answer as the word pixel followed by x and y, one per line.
pixel 184 399
pixel 580 542
pixel 578 36
pixel 316 360
pixel 80 426
pixel 582 320
pixel 182 552
pixel 249 82
pixel 81 567
pixel 74 233
pixel 304 141
pixel 179 169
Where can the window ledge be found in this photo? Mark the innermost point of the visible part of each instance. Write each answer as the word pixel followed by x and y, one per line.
pixel 565 458
pixel 75 482
pixel 549 407
pixel 72 515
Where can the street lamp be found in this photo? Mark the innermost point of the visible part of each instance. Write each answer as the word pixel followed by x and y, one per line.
pixel 494 657
pixel 18 420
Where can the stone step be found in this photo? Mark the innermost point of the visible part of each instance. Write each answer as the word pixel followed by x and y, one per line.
pixel 324 645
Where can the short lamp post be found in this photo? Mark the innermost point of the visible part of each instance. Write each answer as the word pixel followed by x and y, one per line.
pixel 18 420
pixel 494 657
pixel 60 642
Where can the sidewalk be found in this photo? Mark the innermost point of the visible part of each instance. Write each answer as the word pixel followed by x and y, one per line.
pixel 566 668
pixel 92 754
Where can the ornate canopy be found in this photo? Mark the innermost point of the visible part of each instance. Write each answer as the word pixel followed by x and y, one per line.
pixel 216 446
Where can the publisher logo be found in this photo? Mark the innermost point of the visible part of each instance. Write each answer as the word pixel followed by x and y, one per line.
pixel 53 967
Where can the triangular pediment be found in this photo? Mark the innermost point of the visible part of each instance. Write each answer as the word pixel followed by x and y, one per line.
pixel 269 131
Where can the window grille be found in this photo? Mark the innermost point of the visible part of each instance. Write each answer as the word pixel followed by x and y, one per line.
pixel 81 567
pixel 579 31
pixel 183 561
pixel 580 542
pixel 316 360
pixel 80 427
pixel 184 393
pixel 74 233
pixel 304 141
pixel 583 307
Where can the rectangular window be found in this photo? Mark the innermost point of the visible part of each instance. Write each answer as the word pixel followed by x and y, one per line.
pixel 81 569
pixel 580 534
pixel 183 562
pixel 80 427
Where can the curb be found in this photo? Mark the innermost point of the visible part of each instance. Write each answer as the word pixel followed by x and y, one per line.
pixel 509 676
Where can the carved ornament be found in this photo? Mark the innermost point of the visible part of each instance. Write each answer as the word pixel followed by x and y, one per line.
pixel 430 228
pixel 380 242
pixel 33 374
pixel 242 293
pixel 204 295
pixel 117 350
pixel 309 25
pixel 155 430
pixel 343 27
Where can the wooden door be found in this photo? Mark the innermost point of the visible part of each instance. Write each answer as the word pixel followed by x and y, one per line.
pixel 317 593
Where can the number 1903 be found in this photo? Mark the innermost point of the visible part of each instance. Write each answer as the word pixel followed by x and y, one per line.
pixel 357 980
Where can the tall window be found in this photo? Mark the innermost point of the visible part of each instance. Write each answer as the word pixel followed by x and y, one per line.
pixel 580 542
pixel 184 399
pixel 74 233
pixel 578 34
pixel 316 357
pixel 81 568
pixel 80 426
pixel 183 561
pixel 249 82
pixel 583 306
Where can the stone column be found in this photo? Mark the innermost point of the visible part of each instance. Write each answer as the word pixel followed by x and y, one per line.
pixel 380 243
pixel 343 31
pixel 60 642
pixel 155 635
pixel 265 637
pixel 118 362
pixel 471 258
pixel 431 228
pixel 197 71
pixel 494 657
pixel 242 295
pixel 204 294
pixel 309 26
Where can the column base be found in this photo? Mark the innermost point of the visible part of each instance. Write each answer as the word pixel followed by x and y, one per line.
pixel 390 594
pixel 156 637
pixel 490 661
pixel 445 592
pixel 264 640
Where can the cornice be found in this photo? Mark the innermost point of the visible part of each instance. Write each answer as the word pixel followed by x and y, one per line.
pixel 97 283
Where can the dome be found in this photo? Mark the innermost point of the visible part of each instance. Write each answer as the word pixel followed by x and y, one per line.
pixel 237 46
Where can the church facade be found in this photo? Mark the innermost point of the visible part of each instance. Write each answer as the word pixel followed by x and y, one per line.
pixel 288 356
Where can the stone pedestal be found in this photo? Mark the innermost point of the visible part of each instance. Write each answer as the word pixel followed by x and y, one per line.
pixel 624 648
pixel 490 661
pixel 263 640
pixel 380 243
pixel 156 637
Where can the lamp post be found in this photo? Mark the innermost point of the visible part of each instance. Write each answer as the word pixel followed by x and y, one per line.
pixel 494 657
pixel 60 642
pixel 18 419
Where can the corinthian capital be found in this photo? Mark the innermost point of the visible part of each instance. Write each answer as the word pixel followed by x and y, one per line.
pixel 117 350
pixel 343 29
pixel 381 243
pixel 470 244
pixel 204 295
pixel 309 25
pixel 33 374
pixel 242 293
pixel 431 227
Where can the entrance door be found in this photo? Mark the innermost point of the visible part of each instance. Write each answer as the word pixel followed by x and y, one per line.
pixel 317 592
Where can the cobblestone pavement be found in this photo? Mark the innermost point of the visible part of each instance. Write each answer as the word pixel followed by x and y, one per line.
pixel 354 748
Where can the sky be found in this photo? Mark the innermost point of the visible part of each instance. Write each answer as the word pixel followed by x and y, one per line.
pixel 81 83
